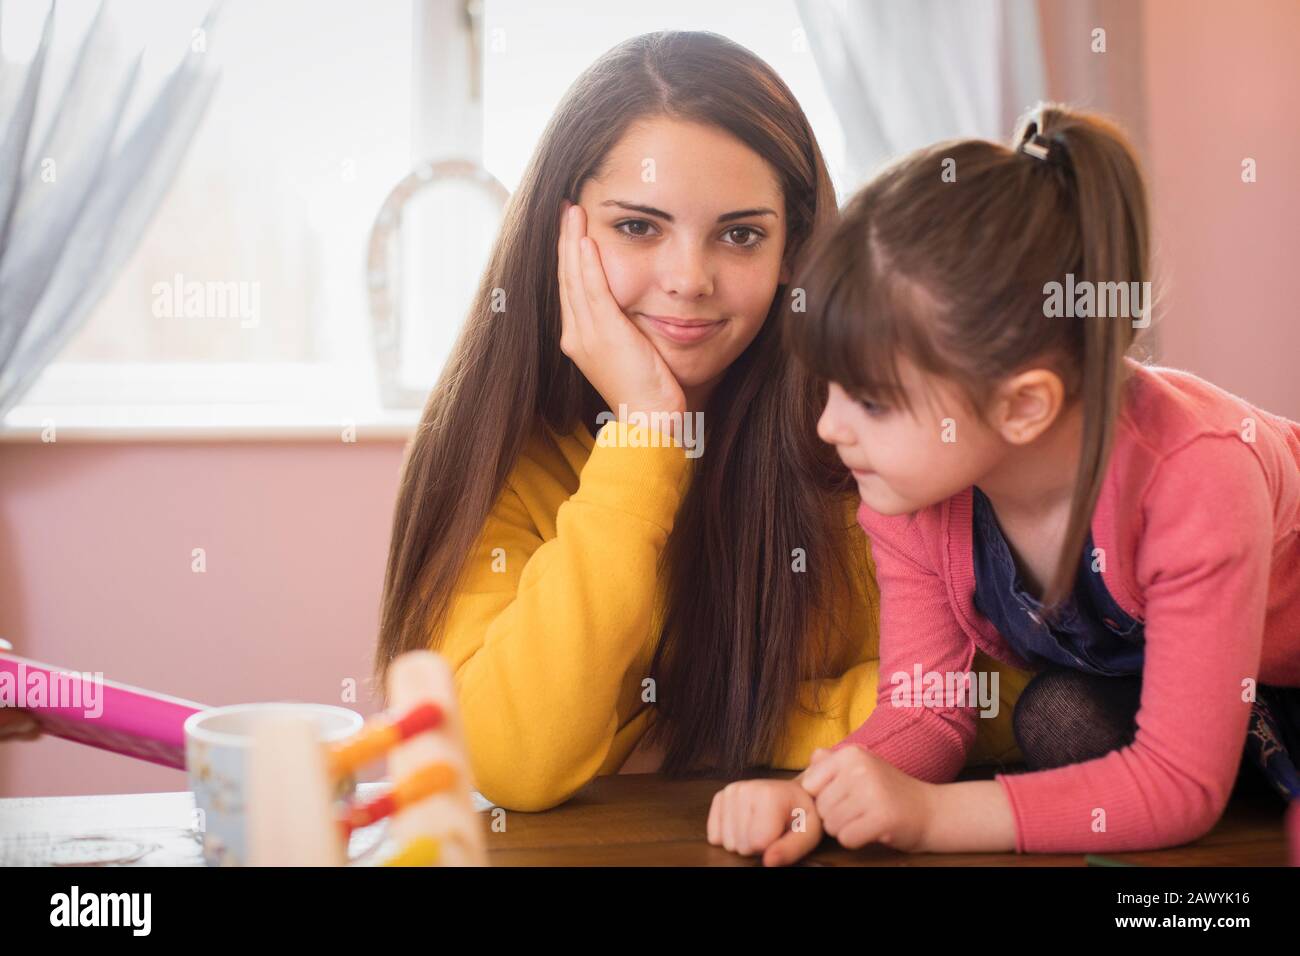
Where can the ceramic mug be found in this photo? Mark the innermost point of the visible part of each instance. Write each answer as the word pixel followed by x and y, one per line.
pixel 218 743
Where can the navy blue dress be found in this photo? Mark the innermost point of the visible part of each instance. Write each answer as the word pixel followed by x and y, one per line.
pixel 1094 634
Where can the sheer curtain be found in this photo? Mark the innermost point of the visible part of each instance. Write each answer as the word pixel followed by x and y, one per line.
pixel 903 75
pixel 74 204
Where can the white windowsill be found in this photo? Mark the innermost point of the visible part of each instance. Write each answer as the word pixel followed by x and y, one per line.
pixel 190 402
pixel 202 423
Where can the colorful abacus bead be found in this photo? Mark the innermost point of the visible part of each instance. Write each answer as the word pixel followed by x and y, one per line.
pixel 380 735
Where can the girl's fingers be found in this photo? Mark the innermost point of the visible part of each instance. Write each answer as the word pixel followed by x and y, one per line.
pixel 569 331
pixel 816 775
pixel 858 831
pixel 600 301
pixel 790 847
pixel 729 828
pixel 573 275
pixel 828 794
pixel 724 820
pixel 712 826
pixel 749 820
pixel 831 803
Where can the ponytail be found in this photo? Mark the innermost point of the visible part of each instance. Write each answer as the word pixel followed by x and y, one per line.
pixel 1111 203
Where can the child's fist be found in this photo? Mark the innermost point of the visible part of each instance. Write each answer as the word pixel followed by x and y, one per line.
pixel 777 818
pixel 861 799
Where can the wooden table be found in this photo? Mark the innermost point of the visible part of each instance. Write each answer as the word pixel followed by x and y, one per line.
pixel 618 820
pixel 646 820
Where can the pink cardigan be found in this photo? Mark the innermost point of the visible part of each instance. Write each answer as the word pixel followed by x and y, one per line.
pixel 1200 530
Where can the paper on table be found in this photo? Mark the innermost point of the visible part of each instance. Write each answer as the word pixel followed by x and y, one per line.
pixel 136 829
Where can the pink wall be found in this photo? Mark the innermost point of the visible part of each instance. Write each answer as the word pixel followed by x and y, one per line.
pixel 95 574
pixel 95 539
pixel 1223 81
pixel 1199 85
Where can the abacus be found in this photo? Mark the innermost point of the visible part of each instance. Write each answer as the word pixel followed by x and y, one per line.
pixel 293 776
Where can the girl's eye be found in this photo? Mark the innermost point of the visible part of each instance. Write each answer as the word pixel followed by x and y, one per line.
pixel 873 409
pixel 750 237
pixel 744 237
pixel 639 228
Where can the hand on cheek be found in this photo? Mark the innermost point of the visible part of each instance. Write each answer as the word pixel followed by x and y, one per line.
pixel 608 349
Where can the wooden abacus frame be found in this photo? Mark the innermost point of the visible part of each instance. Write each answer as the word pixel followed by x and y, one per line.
pixel 292 820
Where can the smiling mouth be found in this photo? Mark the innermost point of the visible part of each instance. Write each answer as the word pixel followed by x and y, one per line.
pixel 682 331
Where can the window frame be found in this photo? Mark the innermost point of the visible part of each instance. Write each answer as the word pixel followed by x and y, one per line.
pixel 310 400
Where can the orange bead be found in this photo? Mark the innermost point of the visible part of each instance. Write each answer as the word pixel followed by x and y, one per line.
pixel 430 779
pixel 368 744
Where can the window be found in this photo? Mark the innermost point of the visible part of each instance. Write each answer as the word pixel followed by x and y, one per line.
pixel 247 301
pixel 248 288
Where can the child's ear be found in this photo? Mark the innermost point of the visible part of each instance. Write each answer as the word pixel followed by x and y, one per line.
pixel 1028 404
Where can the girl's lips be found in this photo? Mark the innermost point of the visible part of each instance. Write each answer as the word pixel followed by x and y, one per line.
pixel 682 331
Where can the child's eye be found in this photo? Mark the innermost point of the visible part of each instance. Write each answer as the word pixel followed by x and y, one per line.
pixel 751 238
pixel 874 409
pixel 637 226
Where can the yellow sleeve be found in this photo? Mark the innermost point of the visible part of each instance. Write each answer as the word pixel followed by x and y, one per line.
pixel 842 704
pixel 995 740
pixel 541 633
pixel 848 700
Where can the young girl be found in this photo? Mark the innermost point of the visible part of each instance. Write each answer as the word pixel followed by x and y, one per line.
pixel 1128 531
pixel 582 572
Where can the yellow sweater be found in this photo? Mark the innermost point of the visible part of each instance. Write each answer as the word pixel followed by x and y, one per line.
pixel 556 617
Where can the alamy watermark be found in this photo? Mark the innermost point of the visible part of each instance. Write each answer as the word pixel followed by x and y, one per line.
pixel 75 908
pixel 946 689
pixel 1085 300
pixel 655 430
pixel 180 299
pixel 37 687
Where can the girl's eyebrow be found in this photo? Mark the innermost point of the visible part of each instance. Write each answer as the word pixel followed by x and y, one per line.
pixel 659 213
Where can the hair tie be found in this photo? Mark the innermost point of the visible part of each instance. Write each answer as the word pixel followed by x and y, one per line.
pixel 1042 148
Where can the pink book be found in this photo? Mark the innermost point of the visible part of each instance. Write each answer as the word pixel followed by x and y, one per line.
pixel 101 713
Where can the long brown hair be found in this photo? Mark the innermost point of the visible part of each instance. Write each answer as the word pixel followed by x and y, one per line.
pixel 740 628
pixel 946 257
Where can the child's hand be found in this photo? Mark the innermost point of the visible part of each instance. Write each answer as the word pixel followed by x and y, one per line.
pixel 777 818
pixel 863 799
pixel 619 361
pixel 16 724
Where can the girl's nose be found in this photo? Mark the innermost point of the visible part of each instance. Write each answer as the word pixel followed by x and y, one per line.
pixel 830 426
pixel 686 272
